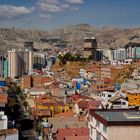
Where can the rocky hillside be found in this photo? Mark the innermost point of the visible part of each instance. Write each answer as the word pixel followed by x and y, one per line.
pixel 14 38
pixel 106 36
pixel 69 36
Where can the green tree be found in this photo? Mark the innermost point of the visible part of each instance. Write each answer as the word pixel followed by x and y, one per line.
pixel 67 56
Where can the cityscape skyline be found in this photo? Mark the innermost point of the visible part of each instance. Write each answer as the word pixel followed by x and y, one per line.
pixel 49 14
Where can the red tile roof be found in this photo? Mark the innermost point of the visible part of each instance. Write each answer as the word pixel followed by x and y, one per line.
pixel 48 101
pixel 76 138
pixel 90 104
pixel 76 97
pixel 93 104
pixel 3 98
pixel 76 132
pixel 65 114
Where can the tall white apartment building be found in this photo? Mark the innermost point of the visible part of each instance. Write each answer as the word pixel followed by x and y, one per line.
pixel 19 62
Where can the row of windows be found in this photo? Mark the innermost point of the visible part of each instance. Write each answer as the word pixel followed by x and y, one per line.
pixel 98 125
pixel 98 135
pixel 119 103
pixel 104 127
pixel 99 87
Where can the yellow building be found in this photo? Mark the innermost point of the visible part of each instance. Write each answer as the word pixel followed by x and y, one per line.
pixel 133 97
pixel 51 105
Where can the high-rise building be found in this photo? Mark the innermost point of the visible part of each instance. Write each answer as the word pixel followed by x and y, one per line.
pixel 30 60
pixel 13 63
pixel 6 68
pixel 121 54
pixel 99 55
pixel 49 63
pixel 89 48
pixel 19 62
pixel 29 48
pixel 108 54
pixel 1 65
pixel 27 60
pixel 39 60
pixel 132 50
pixel 29 45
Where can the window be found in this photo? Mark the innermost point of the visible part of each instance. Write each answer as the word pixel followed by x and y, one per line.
pixel 98 136
pixel 117 103
pixel 97 124
pixel 104 128
pixel 123 103
pixel 109 95
pixel 91 118
pixel 1 58
pixel 91 131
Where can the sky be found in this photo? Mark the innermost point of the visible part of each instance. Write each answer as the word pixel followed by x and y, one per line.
pixel 49 14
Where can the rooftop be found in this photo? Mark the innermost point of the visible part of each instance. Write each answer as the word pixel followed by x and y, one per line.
pixel 8 131
pixel 65 122
pixel 65 114
pixel 3 98
pixel 89 104
pixel 135 91
pixel 72 132
pixel 77 137
pixel 90 38
pixel 117 116
pixel 120 116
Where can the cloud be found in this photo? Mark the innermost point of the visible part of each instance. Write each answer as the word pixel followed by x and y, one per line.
pixel 65 5
pixel 50 7
pixel 45 16
pixel 74 8
pixel 49 1
pixel 74 1
pixel 10 12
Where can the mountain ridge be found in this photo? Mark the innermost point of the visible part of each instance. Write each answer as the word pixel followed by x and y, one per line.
pixel 71 35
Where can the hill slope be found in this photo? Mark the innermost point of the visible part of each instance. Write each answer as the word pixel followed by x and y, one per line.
pixel 68 36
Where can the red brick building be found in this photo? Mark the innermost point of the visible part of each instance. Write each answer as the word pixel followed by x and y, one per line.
pixel 103 85
pixel 34 81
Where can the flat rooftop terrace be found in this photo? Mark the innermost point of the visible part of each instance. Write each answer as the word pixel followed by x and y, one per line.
pixel 117 116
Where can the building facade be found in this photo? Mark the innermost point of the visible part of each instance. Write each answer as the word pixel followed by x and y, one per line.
pixel 114 124
pixel 6 68
pixel 3 121
pixel 105 73
pixel 19 62
pixel 121 54
pixel 132 50
pixel 39 60
pixel 108 54
pixel 1 65
pixel 29 45
pixel 89 48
